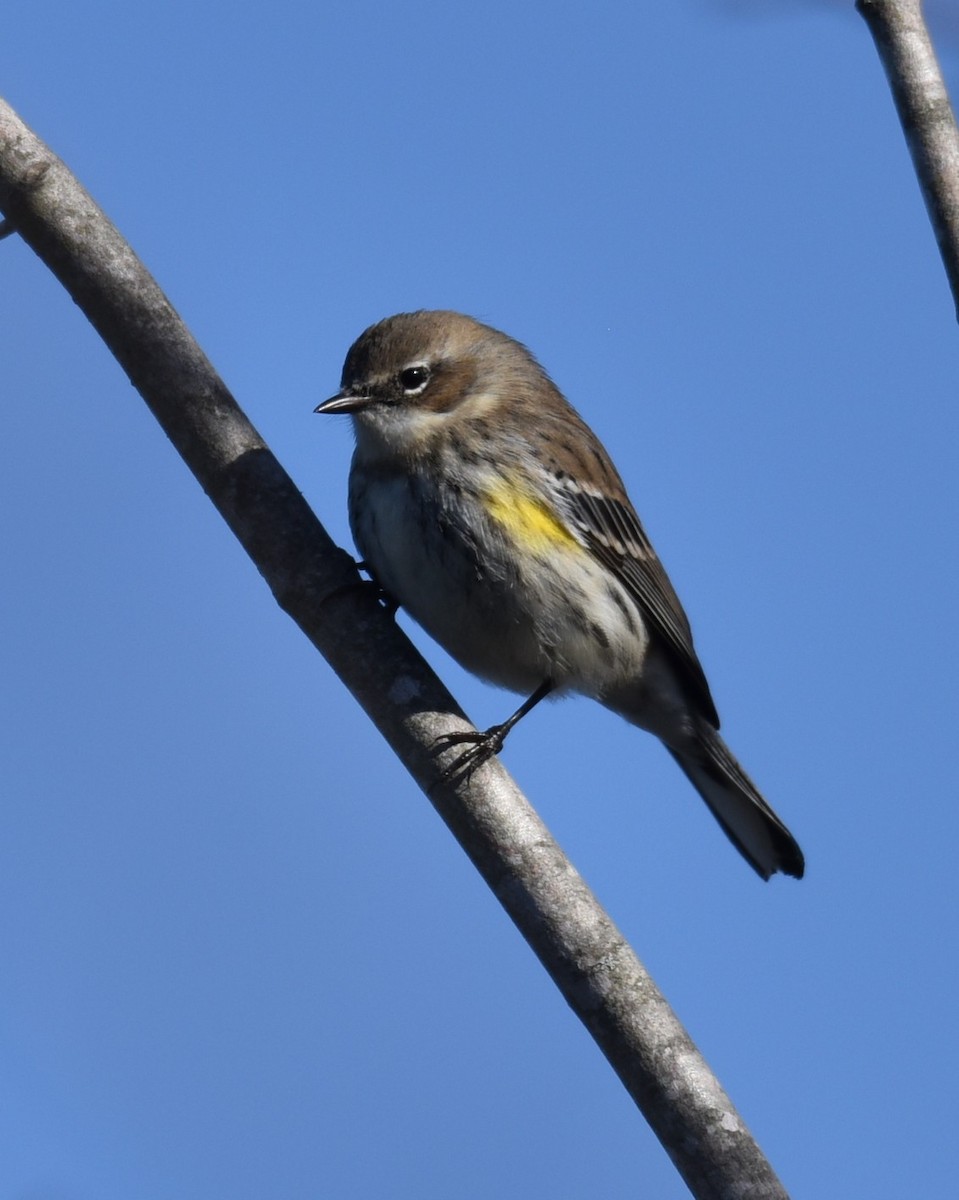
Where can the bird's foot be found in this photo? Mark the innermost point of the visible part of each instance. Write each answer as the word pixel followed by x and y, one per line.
pixel 382 595
pixel 482 747
pixel 389 602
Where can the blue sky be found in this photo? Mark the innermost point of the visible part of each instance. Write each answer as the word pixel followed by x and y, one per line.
pixel 239 954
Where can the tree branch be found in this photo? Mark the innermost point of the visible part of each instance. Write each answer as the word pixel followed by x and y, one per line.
pixel 317 584
pixel 921 99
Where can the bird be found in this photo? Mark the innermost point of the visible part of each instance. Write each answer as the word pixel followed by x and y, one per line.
pixel 484 505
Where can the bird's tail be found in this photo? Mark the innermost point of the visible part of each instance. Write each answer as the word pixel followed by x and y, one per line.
pixel 735 802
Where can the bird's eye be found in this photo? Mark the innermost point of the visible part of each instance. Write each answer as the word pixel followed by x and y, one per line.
pixel 414 379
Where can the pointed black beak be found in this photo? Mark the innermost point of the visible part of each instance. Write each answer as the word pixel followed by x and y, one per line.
pixel 344 402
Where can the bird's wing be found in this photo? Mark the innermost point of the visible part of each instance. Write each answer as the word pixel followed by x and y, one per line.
pixel 608 525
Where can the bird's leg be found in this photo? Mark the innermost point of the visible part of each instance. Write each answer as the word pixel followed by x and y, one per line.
pixel 484 745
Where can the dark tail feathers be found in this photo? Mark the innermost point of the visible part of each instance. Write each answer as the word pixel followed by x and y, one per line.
pixel 749 822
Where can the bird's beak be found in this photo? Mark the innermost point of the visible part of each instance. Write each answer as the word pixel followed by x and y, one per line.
pixel 344 402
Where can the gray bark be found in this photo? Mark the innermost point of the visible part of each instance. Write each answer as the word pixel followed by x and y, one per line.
pixel 921 99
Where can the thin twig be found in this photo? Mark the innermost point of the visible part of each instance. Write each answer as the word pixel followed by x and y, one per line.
pixel 587 957
pixel 919 91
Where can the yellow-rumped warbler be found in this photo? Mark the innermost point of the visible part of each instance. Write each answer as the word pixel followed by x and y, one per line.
pixel 483 504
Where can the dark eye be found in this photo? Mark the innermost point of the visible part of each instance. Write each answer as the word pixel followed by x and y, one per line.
pixel 414 379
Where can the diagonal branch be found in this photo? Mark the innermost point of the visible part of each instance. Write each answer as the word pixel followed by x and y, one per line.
pixel 919 90
pixel 317 584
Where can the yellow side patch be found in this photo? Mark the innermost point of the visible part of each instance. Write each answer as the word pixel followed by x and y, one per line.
pixel 528 521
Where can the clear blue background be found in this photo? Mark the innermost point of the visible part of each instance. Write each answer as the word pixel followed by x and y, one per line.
pixel 239 954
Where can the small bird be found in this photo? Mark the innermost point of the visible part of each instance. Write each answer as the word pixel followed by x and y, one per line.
pixel 483 503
